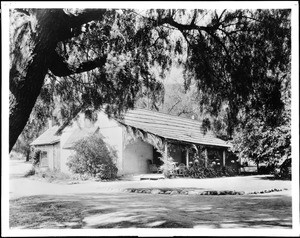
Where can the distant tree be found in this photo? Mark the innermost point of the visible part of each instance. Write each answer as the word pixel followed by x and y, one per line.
pixel 182 102
pixel 261 143
pixel 262 140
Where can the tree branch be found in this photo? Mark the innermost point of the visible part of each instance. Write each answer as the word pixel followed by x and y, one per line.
pixel 179 26
pixel 60 68
pixel 178 101
pixel 80 16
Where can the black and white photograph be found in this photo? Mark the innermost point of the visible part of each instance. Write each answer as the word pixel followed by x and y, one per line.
pixel 146 118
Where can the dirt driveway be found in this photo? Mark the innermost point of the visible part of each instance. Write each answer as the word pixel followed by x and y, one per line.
pixel 20 186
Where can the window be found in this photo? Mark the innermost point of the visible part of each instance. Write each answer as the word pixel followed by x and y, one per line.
pixel 44 159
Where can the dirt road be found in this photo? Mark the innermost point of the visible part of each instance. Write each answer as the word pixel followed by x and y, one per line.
pixel 20 186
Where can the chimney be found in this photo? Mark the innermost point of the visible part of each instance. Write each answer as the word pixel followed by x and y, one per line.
pixel 50 123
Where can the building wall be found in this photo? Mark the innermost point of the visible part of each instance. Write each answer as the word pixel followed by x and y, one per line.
pixel 113 136
pixel 81 122
pixel 66 153
pixel 49 150
pixel 131 158
pixel 64 156
pixel 135 157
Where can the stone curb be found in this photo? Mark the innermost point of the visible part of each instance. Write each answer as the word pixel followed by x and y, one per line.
pixel 268 191
pixel 195 191
pixel 182 191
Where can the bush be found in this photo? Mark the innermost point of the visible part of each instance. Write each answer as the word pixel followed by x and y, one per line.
pixel 30 172
pixel 93 158
pixel 167 168
pixel 16 156
pixel 52 175
pixel 36 157
pixel 202 172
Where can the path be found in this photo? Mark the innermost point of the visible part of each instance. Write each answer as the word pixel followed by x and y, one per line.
pixel 20 186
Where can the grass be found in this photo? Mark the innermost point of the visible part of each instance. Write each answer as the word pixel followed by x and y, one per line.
pixel 16 156
pixel 54 176
pixel 50 213
pixel 149 211
pixel 49 175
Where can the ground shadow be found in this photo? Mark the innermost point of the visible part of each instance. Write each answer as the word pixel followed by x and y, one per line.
pixel 150 211
pixel 272 177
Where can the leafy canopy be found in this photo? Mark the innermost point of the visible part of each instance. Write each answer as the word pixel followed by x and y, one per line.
pixel 238 59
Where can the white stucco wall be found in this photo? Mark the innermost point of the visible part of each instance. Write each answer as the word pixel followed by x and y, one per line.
pixel 49 150
pixel 135 157
pixel 65 153
pixel 113 136
pixel 131 159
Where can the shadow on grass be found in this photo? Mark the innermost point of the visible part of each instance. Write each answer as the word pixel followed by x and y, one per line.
pixel 150 211
pixel 272 177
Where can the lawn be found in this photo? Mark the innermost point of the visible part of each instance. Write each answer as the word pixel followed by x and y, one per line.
pixel 150 211
pixel 36 204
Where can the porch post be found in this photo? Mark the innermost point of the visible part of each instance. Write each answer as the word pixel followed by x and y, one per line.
pixel 205 152
pixel 224 158
pixel 187 158
pixel 166 149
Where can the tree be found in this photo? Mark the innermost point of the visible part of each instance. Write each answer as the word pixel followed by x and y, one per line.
pixel 182 102
pixel 238 58
pixel 34 36
pixel 36 124
pixel 53 41
pixel 261 141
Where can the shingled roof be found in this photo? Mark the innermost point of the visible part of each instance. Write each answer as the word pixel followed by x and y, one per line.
pixel 171 127
pixel 48 137
pixel 160 124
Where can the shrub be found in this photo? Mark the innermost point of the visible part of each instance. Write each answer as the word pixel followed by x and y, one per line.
pixel 16 155
pixel 202 172
pixel 30 172
pixel 167 167
pixel 93 158
pixel 52 175
pixel 36 157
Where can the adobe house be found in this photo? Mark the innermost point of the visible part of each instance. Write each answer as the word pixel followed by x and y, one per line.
pixel 139 138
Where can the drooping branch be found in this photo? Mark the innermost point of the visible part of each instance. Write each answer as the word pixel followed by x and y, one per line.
pixel 179 26
pixel 68 120
pixel 60 68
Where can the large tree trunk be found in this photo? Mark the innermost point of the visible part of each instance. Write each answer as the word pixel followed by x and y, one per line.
pixel 33 44
pixel 34 37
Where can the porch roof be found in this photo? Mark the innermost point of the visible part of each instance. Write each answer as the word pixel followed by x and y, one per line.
pixel 171 127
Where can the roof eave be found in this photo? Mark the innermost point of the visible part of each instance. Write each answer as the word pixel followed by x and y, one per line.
pixel 46 143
